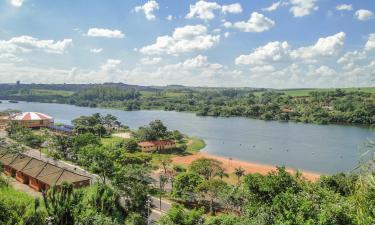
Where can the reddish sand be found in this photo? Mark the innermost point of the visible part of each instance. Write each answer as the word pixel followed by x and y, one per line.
pixel 230 164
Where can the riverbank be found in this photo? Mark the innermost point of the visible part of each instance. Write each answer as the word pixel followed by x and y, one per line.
pixel 230 164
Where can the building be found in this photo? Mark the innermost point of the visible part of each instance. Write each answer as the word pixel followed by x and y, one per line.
pixel 38 174
pixel 32 119
pixel 151 146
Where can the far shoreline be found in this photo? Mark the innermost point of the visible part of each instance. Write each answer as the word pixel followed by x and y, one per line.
pixel 229 164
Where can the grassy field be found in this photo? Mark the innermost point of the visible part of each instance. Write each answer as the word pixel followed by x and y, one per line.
pixel 195 145
pixel 110 141
pixel 305 92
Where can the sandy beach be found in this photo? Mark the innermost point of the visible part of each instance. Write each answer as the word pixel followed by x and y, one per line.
pixel 230 164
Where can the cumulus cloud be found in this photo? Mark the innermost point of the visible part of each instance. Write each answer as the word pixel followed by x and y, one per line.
pixel 301 8
pixel 256 23
pixel 272 7
pixel 349 59
pixel 184 39
pixel 101 32
pixel 28 44
pixel 370 44
pixel 271 52
pixel 232 8
pixel 16 3
pixel 111 65
pixel 169 17
pixel 205 10
pixel 148 9
pixel 344 7
pixel 325 71
pixel 326 46
pixel 96 50
pixel 150 61
pixel 364 14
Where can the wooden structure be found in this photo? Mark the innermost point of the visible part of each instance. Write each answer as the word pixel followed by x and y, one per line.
pixel 150 146
pixel 32 119
pixel 38 174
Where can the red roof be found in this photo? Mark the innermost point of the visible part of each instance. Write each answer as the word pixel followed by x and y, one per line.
pixel 31 116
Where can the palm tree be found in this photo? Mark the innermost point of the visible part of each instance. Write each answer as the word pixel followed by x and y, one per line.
pixel 239 172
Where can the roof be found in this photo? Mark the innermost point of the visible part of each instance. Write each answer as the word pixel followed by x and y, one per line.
pixel 31 116
pixel 7 158
pixel 20 162
pixel 155 143
pixel 33 168
pixel 71 177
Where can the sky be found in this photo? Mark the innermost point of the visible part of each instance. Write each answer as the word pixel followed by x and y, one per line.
pixel 243 43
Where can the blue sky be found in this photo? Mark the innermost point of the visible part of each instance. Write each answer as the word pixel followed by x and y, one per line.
pixel 256 43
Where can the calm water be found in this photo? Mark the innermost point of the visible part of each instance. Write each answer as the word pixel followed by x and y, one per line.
pixel 319 148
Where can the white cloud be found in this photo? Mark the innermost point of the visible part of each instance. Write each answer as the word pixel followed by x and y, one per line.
pixel 364 14
pixel 271 52
pixel 111 65
pixel 301 8
pixel 256 23
pixel 96 50
pixel 200 61
pixel 233 8
pixel 184 39
pixel 101 32
pixel 345 7
pixel 370 44
pixel 16 3
pixel 28 44
pixel 169 17
pixel 326 46
pixel 272 7
pixel 350 58
pixel 148 9
pixel 150 61
pixel 262 69
pixel 205 10
pixel 325 71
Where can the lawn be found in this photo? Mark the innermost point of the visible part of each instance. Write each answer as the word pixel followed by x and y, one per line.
pixel 110 141
pixel 195 145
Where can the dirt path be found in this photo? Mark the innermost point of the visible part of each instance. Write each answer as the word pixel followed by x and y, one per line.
pixel 230 164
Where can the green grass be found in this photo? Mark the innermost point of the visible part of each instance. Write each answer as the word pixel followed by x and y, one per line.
pixel 305 92
pixel 196 145
pixel 110 141
pixel 45 92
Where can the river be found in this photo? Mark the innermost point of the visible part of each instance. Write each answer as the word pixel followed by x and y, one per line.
pixel 318 148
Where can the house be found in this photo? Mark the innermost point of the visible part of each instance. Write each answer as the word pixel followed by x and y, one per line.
pixel 150 146
pixel 38 174
pixel 32 119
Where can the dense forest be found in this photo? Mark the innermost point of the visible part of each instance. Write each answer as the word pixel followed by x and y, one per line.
pixel 318 106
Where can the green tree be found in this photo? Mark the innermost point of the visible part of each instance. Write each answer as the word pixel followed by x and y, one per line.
pixel 206 167
pixel 209 190
pixel 184 186
pixel 59 202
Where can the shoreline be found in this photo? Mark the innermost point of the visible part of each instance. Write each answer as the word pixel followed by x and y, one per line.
pixel 250 167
